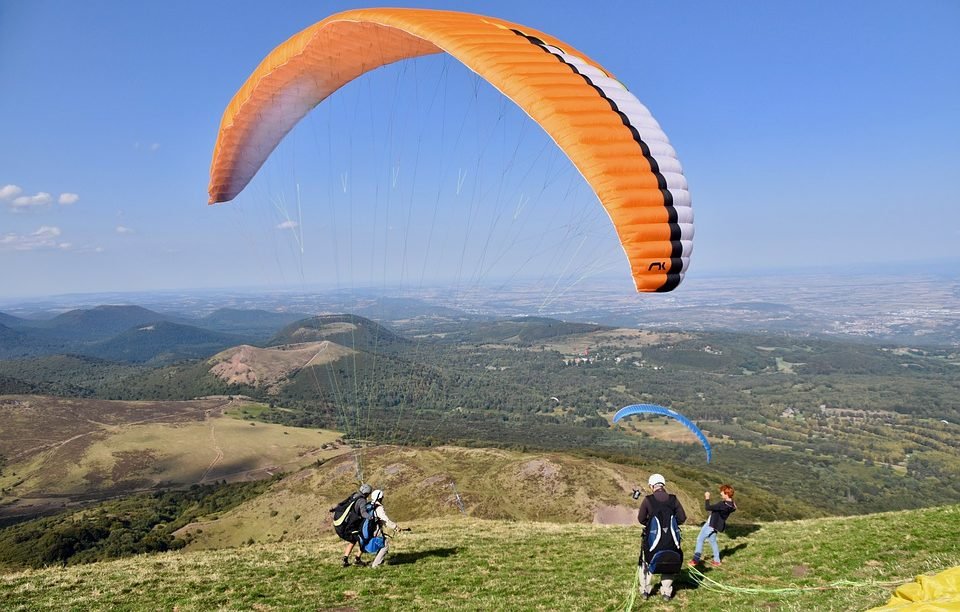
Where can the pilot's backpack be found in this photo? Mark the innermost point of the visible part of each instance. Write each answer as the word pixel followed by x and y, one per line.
pixel 660 550
pixel 346 519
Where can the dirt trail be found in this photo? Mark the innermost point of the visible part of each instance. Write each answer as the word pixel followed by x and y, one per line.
pixel 213 444
pixel 55 444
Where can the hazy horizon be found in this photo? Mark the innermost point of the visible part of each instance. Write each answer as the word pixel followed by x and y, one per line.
pixel 882 271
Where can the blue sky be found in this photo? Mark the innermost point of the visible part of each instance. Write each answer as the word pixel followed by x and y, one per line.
pixel 815 133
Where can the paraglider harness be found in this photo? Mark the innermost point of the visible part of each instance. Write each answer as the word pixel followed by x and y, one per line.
pixel 351 526
pixel 346 519
pixel 660 548
pixel 371 535
pixel 362 528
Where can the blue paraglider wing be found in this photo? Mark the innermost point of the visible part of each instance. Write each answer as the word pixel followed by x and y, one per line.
pixel 654 409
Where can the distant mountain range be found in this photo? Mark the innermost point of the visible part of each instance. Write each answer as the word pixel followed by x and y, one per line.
pixel 913 307
pixel 136 334
pixel 98 323
pixel 121 351
pixel 133 334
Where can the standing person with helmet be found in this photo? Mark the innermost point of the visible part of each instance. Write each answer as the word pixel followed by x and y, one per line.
pixel 661 515
pixel 375 519
pixel 346 520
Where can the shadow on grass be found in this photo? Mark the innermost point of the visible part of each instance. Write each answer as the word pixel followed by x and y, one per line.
pixel 740 530
pixel 412 557
pixel 687 582
pixel 729 551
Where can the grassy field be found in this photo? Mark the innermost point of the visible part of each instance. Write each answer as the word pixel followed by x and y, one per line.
pixel 471 564
pixel 492 484
pixel 59 450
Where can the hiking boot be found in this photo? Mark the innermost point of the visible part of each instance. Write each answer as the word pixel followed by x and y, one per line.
pixel 346 562
pixel 714 564
pixel 359 561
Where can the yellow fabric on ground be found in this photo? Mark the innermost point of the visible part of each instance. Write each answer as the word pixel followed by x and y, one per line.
pixel 937 593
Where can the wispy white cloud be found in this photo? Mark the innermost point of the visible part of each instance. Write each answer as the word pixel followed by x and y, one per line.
pixel 155 147
pixel 8 192
pixel 50 231
pixel 123 229
pixel 287 225
pixel 44 238
pixel 25 203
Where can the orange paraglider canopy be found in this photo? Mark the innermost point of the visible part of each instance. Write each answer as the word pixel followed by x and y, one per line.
pixel 605 131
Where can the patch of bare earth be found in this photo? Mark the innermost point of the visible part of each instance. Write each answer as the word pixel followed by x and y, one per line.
pixel 544 473
pixel 614 515
pixel 438 480
pixel 265 367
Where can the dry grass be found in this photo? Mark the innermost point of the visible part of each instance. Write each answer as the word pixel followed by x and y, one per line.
pixel 469 564
pixel 492 484
pixel 91 448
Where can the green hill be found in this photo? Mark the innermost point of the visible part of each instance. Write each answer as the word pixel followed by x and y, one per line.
pixel 256 323
pixel 114 333
pixel 64 375
pixel 351 331
pixel 162 342
pixel 464 563
pixel 99 323
pixel 22 342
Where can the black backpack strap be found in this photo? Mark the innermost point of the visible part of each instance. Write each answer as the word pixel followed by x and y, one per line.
pixel 657 507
